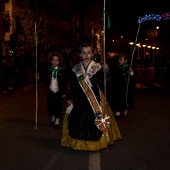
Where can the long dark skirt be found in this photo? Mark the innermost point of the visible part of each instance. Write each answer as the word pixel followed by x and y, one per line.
pixel 81 123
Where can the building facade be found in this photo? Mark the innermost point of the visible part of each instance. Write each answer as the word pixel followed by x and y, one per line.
pixel 57 22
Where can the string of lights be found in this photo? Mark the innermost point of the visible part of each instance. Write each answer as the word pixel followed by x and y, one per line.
pixel 166 16
pixel 156 17
pixel 149 17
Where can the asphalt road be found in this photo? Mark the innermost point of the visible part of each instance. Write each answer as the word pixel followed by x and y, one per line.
pixel 145 132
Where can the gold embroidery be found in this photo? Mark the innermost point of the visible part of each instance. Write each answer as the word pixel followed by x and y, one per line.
pixel 91 97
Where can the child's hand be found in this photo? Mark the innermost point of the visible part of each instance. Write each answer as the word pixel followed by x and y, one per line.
pixel 131 71
pixel 69 107
pixel 69 102
pixel 105 66
pixel 37 75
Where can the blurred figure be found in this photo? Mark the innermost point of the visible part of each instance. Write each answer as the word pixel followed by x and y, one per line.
pixel 157 65
pixel 146 64
pixel 121 76
pixel 167 72
pixel 96 56
pixel 29 60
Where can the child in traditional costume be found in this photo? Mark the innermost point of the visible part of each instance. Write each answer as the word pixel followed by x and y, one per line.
pixel 123 85
pixel 56 83
pixel 89 124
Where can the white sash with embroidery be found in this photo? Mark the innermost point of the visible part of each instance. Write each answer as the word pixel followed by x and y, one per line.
pixel 84 81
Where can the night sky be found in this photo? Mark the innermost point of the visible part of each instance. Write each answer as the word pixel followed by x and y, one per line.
pixel 124 14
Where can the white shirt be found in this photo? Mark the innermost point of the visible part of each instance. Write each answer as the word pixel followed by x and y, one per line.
pixel 54 84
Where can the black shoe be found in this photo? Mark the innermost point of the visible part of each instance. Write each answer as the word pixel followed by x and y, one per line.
pixel 57 126
pixel 52 124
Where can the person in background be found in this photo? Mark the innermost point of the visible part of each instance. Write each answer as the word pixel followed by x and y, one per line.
pixel 146 64
pixel 88 124
pixel 57 88
pixel 96 56
pixel 122 78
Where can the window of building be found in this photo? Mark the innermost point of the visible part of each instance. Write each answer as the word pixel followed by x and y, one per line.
pixel 7 21
pixel 6 26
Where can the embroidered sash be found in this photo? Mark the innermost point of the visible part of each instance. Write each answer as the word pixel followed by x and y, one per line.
pixel 101 121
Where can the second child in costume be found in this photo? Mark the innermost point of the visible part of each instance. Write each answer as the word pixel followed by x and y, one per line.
pixel 122 82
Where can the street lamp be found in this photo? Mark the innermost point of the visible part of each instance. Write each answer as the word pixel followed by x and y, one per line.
pixel 131 44
pixel 144 45
pixel 157 48
pixel 149 51
pixel 153 48
pixel 157 34
pixel 138 45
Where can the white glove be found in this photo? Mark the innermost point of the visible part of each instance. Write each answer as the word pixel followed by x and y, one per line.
pixel 69 108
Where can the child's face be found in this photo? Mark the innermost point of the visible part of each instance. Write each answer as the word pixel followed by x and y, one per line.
pixel 86 54
pixel 122 61
pixel 55 61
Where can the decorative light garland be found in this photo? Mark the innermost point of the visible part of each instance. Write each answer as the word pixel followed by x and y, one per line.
pixel 166 16
pixel 149 17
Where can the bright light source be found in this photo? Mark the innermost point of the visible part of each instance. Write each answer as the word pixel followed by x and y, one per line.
pixel 131 43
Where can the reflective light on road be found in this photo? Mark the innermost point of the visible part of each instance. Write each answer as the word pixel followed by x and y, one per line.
pixel 140 86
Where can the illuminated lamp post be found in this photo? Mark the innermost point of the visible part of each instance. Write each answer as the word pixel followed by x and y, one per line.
pixel 131 44
pixel 138 45
pixel 153 48
pixel 157 34
pixel 144 45
pixel 157 48
pixel 149 51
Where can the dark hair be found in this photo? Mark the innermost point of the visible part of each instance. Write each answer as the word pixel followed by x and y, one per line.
pixel 123 55
pixel 86 44
pixel 52 55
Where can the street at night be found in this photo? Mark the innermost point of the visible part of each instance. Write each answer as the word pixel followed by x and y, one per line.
pixel 145 133
pixel 69 50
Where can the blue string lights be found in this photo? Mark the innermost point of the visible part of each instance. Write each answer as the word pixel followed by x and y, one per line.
pixel 156 17
pixel 149 17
